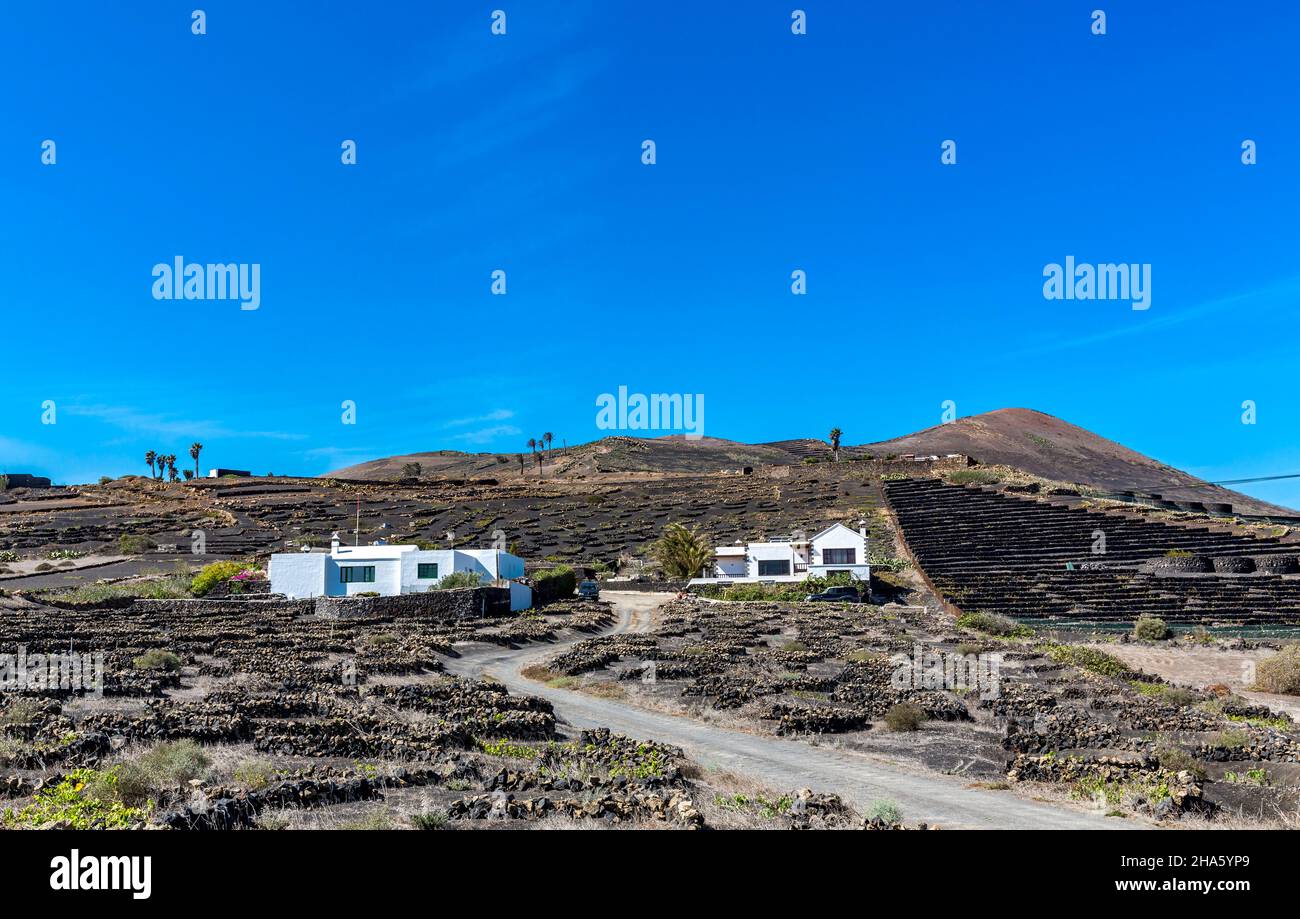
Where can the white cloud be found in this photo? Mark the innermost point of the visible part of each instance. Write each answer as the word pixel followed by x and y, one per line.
pixel 487 435
pixel 129 419
pixel 500 414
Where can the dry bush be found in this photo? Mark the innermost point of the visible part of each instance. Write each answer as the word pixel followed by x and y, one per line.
pixel 904 717
pixel 1279 673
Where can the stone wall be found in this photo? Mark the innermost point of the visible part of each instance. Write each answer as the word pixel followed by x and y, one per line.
pixel 645 586
pixel 436 604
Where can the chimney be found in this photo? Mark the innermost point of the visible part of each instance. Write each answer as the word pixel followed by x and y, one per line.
pixel 334 543
pixel 862 530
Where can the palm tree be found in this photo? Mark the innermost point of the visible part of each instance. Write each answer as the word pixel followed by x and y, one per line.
pixel 682 553
pixel 520 457
pixel 539 465
pixel 195 449
pixel 532 445
pixel 836 433
pixel 149 458
pixel 548 437
pixel 171 467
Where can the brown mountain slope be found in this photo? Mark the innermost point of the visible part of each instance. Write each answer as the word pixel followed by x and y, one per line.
pixel 1049 447
pixel 1037 443
pixel 674 453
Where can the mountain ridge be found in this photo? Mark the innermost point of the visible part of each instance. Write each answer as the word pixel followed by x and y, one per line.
pixel 1040 444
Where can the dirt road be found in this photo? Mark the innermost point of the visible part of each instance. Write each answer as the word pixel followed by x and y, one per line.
pixel 781 764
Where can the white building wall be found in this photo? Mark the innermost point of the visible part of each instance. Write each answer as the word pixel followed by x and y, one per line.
pixel 412 583
pixel 839 537
pixel 770 551
pixel 397 570
pixel 298 575
pixel 388 577
pixel 732 566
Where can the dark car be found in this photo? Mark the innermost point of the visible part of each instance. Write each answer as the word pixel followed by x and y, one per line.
pixel 840 594
pixel 589 590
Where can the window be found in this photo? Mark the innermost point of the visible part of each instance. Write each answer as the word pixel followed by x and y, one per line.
pixel 357 574
pixel 773 567
pixel 839 556
pixel 427 571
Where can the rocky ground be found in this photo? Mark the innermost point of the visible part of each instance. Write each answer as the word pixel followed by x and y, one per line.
pixel 1066 721
pixel 244 717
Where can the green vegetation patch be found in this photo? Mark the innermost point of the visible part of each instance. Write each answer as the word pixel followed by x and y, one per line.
pixel 84 799
pixel 1089 659
pixel 994 624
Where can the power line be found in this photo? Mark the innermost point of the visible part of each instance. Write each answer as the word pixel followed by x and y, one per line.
pixel 1262 478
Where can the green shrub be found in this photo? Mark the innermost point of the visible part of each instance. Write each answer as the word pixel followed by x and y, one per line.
pixel 507 749
pixel 130 544
pixel 254 774
pixel 1249 777
pixel 431 820
pixel 159 770
pixel 8 555
pixel 157 659
pixel 555 583
pixel 1090 659
pixel 458 580
pixel 792 592
pixel 1150 628
pixel 994 624
pixel 1178 553
pixel 904 717
pixel 214 574
pixel 885 811
pixel 1231 739
pixel 1176 759
pixel 1280 673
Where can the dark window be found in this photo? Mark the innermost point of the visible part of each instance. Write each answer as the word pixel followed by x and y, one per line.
pixel 839 556
pixel 772 568
pixel 357 574
pixel 429 570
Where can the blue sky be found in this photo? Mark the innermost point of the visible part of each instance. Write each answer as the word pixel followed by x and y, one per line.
pixel 522 152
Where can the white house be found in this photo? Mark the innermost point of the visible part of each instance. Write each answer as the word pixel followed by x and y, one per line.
pixel 391 570
pixel 834 550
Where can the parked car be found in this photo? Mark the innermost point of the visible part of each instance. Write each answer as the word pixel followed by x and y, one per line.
pixel 589 590
pixel 845 593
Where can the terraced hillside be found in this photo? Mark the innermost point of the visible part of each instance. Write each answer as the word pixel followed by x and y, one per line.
pixel 1031 559
pixel 568 520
